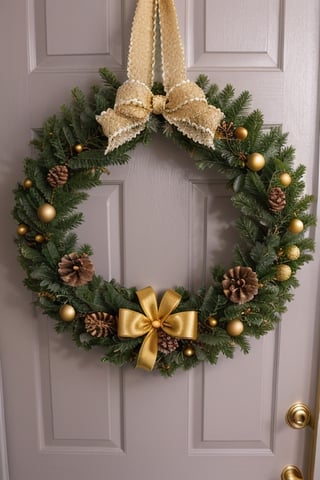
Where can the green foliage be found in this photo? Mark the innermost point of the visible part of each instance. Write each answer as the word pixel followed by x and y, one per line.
pixel 264 234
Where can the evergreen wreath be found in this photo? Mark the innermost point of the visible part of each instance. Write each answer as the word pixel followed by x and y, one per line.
pixel 245 299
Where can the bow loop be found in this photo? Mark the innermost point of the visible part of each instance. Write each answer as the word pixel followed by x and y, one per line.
pixel 134 101
pixel 127 119
pixel 188 110
pixel 132 324
pixel 183 93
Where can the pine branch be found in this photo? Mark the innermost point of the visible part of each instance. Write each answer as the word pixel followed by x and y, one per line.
pixel 252 208
pixel 109 78
pixel 248 229
pixel 238 107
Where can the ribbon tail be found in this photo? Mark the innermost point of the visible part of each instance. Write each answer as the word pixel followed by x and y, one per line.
pixel 148 351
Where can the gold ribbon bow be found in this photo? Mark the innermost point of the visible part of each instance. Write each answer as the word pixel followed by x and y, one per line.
pixel 184 105
pixel 134 324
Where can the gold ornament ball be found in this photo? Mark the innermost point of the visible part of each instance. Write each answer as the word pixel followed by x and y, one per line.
pixel 293 252
pixel 241 133
pixel 235 328
pixel 283 273
pixel 46 213
pixel 39 238
pixel 22 229
pixel 285 179
pixel 212 322
pixel 295 226
pixel 78 148
pixel 67 313
pixel 27 183
pixel 189 351
pixel 255 162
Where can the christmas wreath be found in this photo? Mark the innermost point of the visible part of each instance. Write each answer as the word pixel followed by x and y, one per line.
pixel 245 298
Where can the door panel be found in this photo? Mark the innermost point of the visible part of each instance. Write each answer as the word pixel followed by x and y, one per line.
pixel 237 36
pixel 246 426
pixel 156 221
pixel 71 389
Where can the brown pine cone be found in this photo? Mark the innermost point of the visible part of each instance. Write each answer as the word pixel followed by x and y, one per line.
pixel 276 199
pixel 58 176
pixel 99 324
pixel 240 284
pixel 76 269
pixel 225 130
pixel 166 343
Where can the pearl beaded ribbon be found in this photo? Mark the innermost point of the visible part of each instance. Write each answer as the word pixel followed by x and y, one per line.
pixel 184 105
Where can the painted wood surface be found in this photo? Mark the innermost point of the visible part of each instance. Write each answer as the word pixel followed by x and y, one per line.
pixel 156 221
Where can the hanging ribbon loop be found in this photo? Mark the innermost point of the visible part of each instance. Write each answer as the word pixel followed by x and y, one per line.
pixel 184 105
pixel 133 324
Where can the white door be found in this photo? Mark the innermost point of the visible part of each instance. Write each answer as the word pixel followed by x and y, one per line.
pixel 70 417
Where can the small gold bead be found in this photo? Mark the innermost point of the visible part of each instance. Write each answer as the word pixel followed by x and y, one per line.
pixel 212 322
pixel 27 183
pixel 189 351
pixel 39 238
pixel 22 229
pixel 78 148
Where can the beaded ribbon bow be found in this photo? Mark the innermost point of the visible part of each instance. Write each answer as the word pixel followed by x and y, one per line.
pixel 184 105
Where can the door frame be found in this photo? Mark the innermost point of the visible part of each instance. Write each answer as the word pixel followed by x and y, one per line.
pixel 315 455
pixel 4 471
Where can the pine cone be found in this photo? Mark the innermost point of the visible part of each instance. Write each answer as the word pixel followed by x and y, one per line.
pixel 240 284
pixel 75 269
pixel 276 199
pixel 99 324
pixel 166 343
pixel 58 176
pixel 225 130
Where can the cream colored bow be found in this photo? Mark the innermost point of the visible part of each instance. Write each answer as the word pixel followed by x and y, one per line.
pixel 184 105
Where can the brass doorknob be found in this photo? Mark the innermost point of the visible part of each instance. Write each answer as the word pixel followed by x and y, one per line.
pixel 298 416
pixel 291 472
